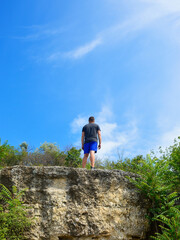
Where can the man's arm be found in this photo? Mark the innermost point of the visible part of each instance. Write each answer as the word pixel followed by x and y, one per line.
pixel 99 136
pixel 82 140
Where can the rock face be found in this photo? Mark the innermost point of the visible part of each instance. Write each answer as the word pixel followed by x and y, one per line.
pixel 72 204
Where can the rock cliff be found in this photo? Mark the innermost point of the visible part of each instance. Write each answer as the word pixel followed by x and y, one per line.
pixel 71 203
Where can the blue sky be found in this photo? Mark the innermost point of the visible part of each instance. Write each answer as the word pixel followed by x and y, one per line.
pixel 63 61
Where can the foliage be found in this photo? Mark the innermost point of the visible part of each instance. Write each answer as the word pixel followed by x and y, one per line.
pixel 129 165
pixel 170 220
pixel 159 177
pixel 48 154
pixel 24 146
pixel 9 155
pixel 151 183
pixel 48 148
pixel 172 229
pixel 154 181
pixel 14 220
pixel 174 163
pixel 73 158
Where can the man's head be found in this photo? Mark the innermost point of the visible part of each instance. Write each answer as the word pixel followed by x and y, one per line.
pixel 91 119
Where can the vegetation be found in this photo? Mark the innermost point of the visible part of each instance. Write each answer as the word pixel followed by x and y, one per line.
pixel 159 177
pixel 170 220
pixel 14 220
pixel 159 182
pixel 48 154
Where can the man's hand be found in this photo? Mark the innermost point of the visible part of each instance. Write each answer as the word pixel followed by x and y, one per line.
pixel 82 147
pixel 99 136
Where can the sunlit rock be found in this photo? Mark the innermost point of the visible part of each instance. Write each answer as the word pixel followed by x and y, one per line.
pixel 71 203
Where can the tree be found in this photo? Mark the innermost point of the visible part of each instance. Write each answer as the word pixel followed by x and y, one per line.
pixel 73 158
pixel 174 163
pixel 9 155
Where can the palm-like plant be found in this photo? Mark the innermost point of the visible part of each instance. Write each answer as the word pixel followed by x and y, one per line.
pixel 14 220
pixel 154 182
pixel 170 226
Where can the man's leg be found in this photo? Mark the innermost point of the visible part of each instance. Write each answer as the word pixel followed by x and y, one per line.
pixel 92 158
pixel 84 161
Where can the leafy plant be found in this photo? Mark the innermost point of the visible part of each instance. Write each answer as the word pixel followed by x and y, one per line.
pixel 14 220
pixel 155 184
pixel 169 220
pixel 174 163
pixel 9 155
pixel 73 158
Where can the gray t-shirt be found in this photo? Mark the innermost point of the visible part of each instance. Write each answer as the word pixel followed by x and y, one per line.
pixel 91 130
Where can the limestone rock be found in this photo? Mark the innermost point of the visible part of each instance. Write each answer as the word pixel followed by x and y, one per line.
pixel 72 203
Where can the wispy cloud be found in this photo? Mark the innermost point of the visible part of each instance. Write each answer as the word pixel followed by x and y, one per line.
pixel 83 50
pixel 125 138
pixel 148 12
pixel 78 123
pixel 114 135
pixel 168 137
pixel 168 116
pixel 38 32
pixel 152 11
pixel 78 52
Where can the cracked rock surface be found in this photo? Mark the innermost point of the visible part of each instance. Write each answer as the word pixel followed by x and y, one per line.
pixel 75 203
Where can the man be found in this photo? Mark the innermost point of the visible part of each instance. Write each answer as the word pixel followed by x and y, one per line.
pixel 89 141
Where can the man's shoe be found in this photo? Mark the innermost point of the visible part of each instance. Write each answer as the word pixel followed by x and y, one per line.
pixel 92 168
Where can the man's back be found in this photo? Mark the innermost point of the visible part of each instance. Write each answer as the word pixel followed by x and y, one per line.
pixel 91 131
pixel 89 141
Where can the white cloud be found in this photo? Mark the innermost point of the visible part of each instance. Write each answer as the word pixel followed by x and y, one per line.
pixel 78 123
pixel 114 135
pixel 77 53
pixel 83 50
pixel 38 32
pixel 152 11
pixel 105 114
pixel 165 5
pixel 168 137
pixel 148 12
pixel 54 56
pixel 168 116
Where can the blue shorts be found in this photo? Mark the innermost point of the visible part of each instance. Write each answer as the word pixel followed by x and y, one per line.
pixel 90 146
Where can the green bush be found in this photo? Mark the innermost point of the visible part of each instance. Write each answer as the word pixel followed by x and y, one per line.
pixel 159 180
pixel 173 156
pixel 169 220
pixel 73 158
pixel 127 164
pixel 156 183
pixel 9 155
pixel 48 154
pixel 14 220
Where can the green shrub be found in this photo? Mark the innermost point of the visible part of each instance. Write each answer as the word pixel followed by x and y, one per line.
pixel 127 164
pixel 169 220
pixel 155 183
pixel 48 154
pixel 9 155
pixel 14 220
pixel 173 157
pixel 73 158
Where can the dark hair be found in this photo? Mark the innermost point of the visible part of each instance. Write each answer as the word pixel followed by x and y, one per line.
pixel 91 119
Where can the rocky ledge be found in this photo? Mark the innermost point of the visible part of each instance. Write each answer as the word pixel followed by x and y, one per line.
pixel 72 204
